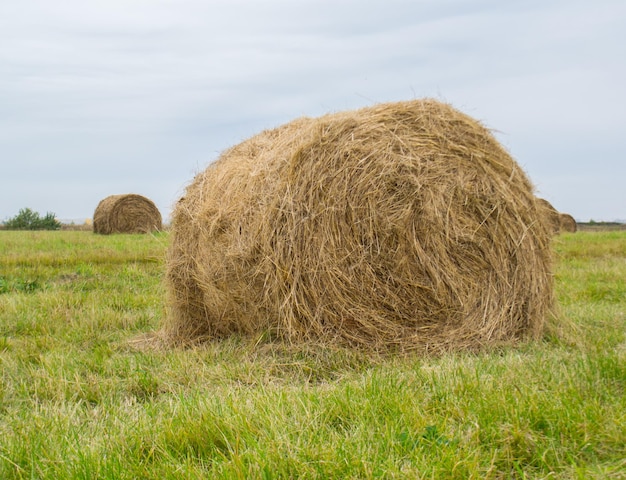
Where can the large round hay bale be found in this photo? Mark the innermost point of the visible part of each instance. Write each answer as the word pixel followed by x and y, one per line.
pixel 127 213
pixel 567 223
pixel 399 226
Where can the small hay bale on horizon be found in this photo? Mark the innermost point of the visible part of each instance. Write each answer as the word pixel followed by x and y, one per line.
pixel 557 221
pixel 402 226
pixel 567 223
pixel 550 215
pixel 126 213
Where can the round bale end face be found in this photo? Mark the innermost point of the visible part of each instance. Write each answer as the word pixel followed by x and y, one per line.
pixel 396 227
pixel 127 213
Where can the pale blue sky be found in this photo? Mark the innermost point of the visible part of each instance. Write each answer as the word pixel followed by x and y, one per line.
pixel 136 96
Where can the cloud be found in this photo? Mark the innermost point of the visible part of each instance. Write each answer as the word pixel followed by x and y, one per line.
pixel 97 92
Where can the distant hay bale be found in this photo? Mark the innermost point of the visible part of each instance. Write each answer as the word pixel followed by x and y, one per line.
pixel 550 215
pixel 128 213
pixel 401 226
pixel 567 223
pixel 557 222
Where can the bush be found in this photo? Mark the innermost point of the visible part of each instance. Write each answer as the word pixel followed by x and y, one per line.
pixel 27 219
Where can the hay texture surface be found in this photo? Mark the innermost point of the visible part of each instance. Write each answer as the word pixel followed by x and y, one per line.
pixel 128 213
pixel 399 226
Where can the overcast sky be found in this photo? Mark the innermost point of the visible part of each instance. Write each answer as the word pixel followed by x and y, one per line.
pixel 99 97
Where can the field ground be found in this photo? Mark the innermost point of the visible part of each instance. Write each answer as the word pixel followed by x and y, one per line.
pixel 79 401
pixel 601 226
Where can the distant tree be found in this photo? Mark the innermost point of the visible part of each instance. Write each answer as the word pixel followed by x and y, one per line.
pixel 27 219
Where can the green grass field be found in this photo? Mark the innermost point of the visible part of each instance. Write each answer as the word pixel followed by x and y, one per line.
pixel 79 401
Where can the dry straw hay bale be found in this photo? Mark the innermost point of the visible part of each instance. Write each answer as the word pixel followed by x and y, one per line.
pixel 126 213
pixel 567 223
pixel 557 222
pixel 395 227
pixel 550 215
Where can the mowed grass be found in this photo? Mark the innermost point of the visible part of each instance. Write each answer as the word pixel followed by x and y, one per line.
pixel 79 400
